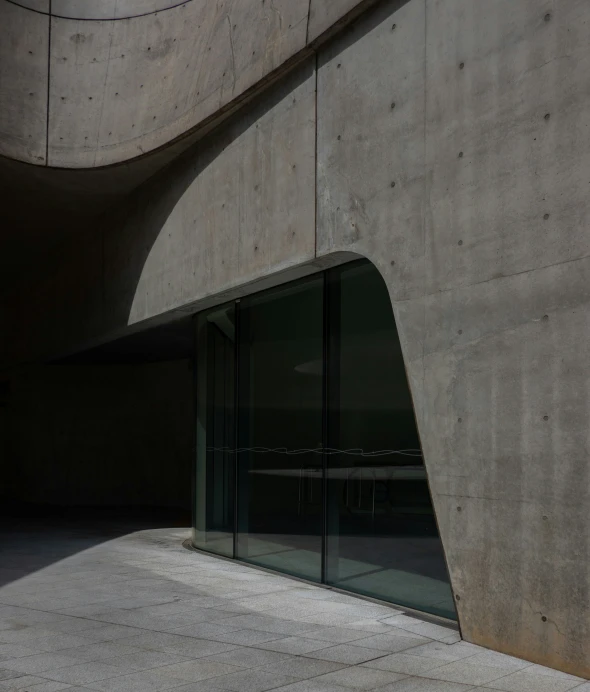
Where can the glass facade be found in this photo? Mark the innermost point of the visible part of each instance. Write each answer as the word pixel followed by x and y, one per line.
pixel 308 455
pixel 214 487
pixel 280 412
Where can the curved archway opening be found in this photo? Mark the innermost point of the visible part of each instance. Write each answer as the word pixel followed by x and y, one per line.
pixel 308 455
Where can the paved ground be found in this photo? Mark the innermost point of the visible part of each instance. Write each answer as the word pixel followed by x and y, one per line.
pixel 83 610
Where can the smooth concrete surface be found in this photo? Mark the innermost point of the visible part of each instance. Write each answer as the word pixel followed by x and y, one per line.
pixel 110 9
pixel 370 164
pixel 109 607
pixel 483 242
pixel 516 113
pixel 122 88
pixel 452 151
pixel 128 77
pixel 36 5
pixel 325 14
pixel 23 83
pixel 259 210
pixel 507 434
pixel 99 435
pixel 229 213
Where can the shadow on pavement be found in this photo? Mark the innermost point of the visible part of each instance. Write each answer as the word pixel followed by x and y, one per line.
pixel 33 537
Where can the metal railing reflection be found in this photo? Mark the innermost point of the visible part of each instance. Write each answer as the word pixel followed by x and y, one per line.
pixel 308 473
pixel 328 451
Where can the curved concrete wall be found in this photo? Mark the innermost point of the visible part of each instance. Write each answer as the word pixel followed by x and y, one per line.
pixel 447 141
pixel 110 9
pixel 36 5
pixel 23 83
pixel 128 77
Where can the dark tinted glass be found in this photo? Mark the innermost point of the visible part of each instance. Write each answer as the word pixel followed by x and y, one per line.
pixel 308 456
pixel 215 480
pixel 382 536
pixel 280 429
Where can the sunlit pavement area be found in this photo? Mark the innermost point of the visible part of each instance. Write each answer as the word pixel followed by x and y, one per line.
pixel 117 607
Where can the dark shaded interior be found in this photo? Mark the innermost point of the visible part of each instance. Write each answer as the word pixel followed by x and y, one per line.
pixel 107 429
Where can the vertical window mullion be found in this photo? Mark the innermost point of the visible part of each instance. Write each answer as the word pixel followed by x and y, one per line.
pixel 236 421
pixel 325 395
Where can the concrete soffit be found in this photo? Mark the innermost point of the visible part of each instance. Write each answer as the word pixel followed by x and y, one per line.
pixel 90 85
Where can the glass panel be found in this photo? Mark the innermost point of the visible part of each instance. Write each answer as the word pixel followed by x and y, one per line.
pixel 215 480
pixel 280 409
pixel 382 535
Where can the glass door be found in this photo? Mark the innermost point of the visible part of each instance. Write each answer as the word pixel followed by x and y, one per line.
pixel 308 455
pixel 280 389
pixel 382 535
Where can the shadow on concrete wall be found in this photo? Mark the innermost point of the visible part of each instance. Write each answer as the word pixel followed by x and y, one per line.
pixel 87 279
pixel 101 226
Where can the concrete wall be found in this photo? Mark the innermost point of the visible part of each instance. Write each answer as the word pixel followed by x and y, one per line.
pixel 102 435
pixel 453 151
pixel 233 212
pixel 23 83
pixel 477 112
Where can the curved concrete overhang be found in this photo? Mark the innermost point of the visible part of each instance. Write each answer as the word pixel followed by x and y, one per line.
pixel 104 9
pixel 91 84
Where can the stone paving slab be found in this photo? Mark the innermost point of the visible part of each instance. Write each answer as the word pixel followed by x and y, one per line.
pixel 140 613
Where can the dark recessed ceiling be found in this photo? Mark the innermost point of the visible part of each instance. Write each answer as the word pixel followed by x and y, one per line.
pixel 172 341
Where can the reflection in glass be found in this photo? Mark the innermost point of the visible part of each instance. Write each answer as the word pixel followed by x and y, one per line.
pixel 382 536
pixel 280 409
pixel 308 455
pixel 214 483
